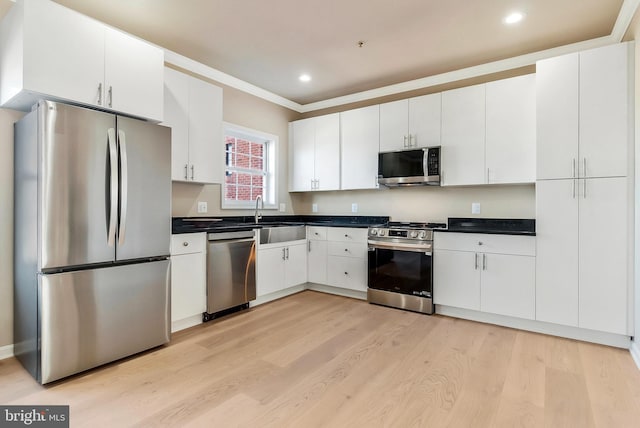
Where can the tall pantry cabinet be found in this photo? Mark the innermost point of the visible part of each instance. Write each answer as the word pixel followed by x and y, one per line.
pixel 583 189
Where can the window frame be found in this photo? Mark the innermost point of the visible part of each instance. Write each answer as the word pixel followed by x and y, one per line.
pixel 270 183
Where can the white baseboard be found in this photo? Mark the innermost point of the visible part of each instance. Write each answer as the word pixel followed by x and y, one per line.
pixel 610 339
pixel 6 351
pixel 635 352
pixel 277 295
pixel 354 294
pixel 186 323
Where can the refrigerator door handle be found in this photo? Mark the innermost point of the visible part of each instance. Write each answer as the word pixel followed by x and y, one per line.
pixel 124 185
pixel 113 188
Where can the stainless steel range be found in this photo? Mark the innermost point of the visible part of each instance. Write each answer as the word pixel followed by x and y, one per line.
pixel 400 265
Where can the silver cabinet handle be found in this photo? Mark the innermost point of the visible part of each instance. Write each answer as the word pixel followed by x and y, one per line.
pixel 186 244
pixel 475 259
pixel 110 96
pixel 283 255
pixel 113 187
pixel 484 261
pixel 573 167
pixel 124 185
pixel 405 141
pixel 309 246
pixel 346 273
pixel 186 171
pixel 192 172
pixel 100 93
pixel 584 167
pixel 479 242
pixel 487 175
pixel 573 188
pixel 584 193
pixel 346 250
pixel 346 236
pixel 287 253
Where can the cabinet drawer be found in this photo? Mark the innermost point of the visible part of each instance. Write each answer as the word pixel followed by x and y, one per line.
pixel 316 233
pixel 486 243
pixel 347 249
pixel 187 243
pixel 347 272
pixel 347 234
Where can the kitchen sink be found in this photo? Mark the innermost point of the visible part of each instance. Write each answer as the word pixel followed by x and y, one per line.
pixel 282 233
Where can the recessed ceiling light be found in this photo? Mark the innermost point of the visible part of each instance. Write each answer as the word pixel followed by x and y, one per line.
pixel 513 18
pixel 304 78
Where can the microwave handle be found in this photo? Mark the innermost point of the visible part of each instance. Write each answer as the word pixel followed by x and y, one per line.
pixel 425 156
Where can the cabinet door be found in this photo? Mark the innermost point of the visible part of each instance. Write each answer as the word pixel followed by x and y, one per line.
pixel 511 130
pixel 508 285
pixel 133 75
pixel 359 148
pixel 425 114
pixel 604 111
pixel 176 116
pixel 327 152
pixel 317 262
pixel 557 251
pixel 557 117
pixel 270 270
pixel 302 155
pixel 347 272
pixel 394 126
pixel 604 241
pixel 296 265
pixel 463 128
pixel 63 43
pixel 188 285
pixel 456 279
pixel 206 140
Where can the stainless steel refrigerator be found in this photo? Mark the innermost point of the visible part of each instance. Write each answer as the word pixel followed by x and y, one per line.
pixel 92 237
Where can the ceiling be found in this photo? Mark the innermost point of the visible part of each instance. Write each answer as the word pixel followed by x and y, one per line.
pixel 270 43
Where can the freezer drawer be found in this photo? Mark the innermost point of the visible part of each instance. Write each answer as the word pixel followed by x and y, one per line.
pixel 92 317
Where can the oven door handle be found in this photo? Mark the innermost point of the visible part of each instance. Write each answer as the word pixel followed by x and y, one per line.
pixel 416 248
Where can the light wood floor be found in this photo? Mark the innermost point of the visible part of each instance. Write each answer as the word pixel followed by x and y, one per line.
pixel 319 360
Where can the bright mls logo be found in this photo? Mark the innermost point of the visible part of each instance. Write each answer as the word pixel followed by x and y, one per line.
pixel 34 416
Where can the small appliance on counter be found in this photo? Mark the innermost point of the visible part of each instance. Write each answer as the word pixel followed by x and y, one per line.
pixel 401 265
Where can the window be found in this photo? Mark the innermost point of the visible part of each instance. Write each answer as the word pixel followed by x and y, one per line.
pixel 250 167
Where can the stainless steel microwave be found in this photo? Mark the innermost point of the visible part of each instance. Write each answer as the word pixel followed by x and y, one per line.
pixel 418 167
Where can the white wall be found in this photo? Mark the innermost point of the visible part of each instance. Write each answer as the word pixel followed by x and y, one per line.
pixel 7 118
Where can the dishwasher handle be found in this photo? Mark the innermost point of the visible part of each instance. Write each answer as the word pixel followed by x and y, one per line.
pixel 223 241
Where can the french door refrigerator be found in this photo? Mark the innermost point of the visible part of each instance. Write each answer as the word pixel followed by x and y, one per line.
pixel 92 238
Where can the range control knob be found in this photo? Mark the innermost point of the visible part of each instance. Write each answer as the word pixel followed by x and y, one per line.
pixel 423 234
pixel 382 232
pixel 374 232
pixel 414 233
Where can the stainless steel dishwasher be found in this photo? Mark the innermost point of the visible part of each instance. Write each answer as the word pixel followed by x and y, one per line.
pixel 231 272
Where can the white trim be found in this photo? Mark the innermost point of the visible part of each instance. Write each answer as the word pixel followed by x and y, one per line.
pixel 277 295
pixel 635 352
pixel 6 351
pixel 593 336
pixel 186 323
pixel 627 10
pixel 345 292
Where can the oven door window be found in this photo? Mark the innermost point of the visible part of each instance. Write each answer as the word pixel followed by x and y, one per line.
pixel 405 272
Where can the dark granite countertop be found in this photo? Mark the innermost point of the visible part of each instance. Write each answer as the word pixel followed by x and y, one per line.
pixel 238 223
pixel 502 226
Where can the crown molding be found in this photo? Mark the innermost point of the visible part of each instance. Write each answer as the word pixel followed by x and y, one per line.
pixel 627 11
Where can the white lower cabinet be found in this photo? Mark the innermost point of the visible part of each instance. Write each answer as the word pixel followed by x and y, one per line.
pixel 317 255
pixel 347 258
pixel 488 273
pixel 281 266
pixel 188 279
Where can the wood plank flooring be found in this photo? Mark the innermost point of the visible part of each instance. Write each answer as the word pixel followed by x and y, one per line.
pixel 317 360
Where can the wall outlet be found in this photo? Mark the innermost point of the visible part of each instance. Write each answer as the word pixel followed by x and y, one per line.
pixel 202 207
pixel 314 208
pixel 283 207
pixel 354 208
pixel 475 208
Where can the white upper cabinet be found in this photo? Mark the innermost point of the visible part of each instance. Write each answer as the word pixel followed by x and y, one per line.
pixel 410 123
pixel 193 110
pixel 359 136
pixel 510 146
pixel 314 154
pixel 583 114
pixel 463 136
pixel 49 51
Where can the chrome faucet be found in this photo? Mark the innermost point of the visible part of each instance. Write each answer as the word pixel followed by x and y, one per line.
pixel 259 201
